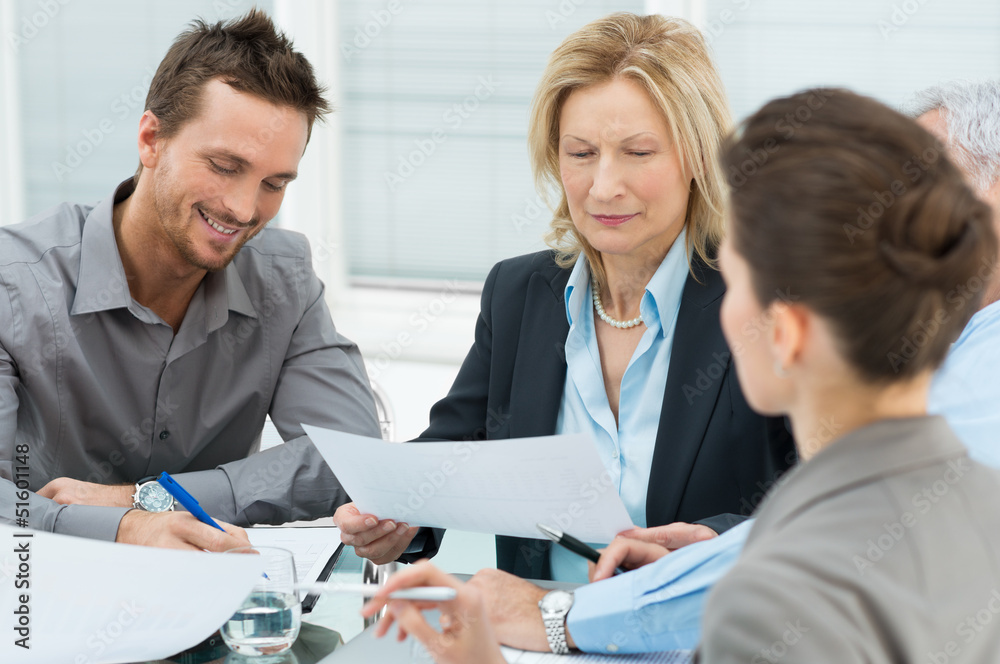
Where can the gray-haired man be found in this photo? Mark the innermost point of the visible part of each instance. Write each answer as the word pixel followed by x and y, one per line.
pixel 966 118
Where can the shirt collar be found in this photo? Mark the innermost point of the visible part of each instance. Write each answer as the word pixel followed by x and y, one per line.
pixel 102 285
pixel 983 317
pixel 577 288
pixel 225 292
pixel 659 303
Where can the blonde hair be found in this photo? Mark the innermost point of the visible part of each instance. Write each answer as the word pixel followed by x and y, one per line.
pixel 669 59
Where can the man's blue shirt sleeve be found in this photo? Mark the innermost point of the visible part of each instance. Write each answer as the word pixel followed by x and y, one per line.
pixel 657 607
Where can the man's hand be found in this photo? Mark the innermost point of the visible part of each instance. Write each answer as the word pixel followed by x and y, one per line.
pixel 512 606
pixel 379 541
pixel 627 554
pixel 65 491
pixel 178 530
pixel 466 634
pixel 673 535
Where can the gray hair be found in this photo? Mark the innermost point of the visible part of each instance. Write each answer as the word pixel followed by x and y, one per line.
pixel 971 112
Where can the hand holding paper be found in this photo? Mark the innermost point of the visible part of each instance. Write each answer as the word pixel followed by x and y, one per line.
pixel 500 487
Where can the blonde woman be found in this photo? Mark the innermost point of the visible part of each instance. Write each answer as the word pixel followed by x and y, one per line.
pixel 615 332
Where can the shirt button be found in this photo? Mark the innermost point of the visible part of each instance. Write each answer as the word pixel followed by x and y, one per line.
pixel 612 647
pixel 164 434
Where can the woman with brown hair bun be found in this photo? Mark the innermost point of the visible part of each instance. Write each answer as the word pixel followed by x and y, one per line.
pixel 884 546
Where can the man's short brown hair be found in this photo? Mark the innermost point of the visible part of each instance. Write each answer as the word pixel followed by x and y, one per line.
pixel 247 53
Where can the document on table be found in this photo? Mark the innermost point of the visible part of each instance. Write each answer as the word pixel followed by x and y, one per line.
pixel 502 487
pixel 312 547
pixel 514 656
pixel 101 603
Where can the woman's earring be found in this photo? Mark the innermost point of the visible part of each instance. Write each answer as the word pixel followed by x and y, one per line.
pixel 779 370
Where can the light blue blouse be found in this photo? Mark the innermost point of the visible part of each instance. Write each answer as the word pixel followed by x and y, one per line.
pixel 626 448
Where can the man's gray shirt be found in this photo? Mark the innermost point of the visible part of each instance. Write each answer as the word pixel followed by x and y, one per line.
pixel 94 386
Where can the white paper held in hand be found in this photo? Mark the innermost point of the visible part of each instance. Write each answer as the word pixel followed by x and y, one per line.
pixel 501 487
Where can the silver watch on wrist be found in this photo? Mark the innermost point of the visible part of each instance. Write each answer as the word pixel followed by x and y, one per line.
pixel 555 605
pixel 151 497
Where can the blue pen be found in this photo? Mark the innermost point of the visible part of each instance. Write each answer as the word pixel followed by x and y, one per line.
pixel 181 495
pixel 186 499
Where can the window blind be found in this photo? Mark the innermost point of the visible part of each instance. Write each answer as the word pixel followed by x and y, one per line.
pixel 434 109
pixel 887 49
pixel 84 71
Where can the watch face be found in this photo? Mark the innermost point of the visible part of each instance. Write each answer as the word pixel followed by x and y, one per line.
pixel 154 498
pixel 557 601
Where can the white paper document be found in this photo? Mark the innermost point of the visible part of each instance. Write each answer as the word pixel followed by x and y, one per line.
pixel 311 547
pixel 85 601
pixel 514 656
pixel 502 487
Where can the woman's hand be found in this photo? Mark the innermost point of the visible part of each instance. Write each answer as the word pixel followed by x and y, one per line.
pixel 625 553
pixel 380 541
pixel 466 634
pixel 673 535
pixel 641 546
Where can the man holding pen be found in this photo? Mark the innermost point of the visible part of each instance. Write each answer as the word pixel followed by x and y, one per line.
pixel 156 330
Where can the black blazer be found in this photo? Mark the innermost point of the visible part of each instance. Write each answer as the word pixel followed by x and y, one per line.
pixel 714 458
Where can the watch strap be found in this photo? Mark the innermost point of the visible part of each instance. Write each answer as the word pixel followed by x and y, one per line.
pixel 555 625
pixel 555 632
pixel 135 496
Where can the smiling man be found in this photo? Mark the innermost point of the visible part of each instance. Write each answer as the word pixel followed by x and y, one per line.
pixel 156 330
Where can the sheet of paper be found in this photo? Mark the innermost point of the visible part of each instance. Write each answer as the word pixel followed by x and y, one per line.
pixel 310 546
pixel 502 487
pixel 93 602
pixel 514 656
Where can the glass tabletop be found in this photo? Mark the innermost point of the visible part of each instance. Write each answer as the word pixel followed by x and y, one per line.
pixel 334 620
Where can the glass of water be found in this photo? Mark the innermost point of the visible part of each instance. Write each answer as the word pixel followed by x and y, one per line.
pixel 268 622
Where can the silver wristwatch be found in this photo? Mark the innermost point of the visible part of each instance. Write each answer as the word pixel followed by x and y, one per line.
pixel 555 605
pixel 152 497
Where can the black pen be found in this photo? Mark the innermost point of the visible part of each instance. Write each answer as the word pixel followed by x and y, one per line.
pixel 571 543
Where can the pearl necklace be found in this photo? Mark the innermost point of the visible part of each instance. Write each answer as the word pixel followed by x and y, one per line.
pixel 623 325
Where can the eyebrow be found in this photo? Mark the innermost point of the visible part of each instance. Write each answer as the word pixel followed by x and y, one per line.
pixel 624 140
pixel 243 163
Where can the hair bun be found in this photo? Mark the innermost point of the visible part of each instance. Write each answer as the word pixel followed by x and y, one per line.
pixel 896 258
pixel 931 247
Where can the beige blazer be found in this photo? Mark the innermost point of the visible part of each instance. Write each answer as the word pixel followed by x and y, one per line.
pixel 885 547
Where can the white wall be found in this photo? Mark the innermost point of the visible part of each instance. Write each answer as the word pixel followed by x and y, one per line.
pixel 11 157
